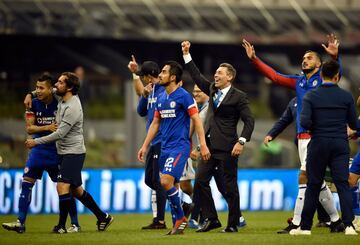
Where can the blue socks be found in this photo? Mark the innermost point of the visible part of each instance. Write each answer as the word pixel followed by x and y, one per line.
pixel 175 204
pixel 355 200
pixel 24 200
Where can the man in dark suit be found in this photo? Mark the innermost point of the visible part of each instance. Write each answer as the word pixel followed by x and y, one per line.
pixel 326 112
pixel 227 105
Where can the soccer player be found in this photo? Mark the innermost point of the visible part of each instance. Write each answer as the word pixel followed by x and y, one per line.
pixel 173 111
pixel 71 150
pixel 149 94
pixel 40 121
pixel 310 79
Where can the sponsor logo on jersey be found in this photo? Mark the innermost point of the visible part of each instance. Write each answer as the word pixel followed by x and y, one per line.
pixel 168 113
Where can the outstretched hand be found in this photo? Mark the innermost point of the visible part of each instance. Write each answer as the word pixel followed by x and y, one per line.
pixel 332 47
pixel 249 48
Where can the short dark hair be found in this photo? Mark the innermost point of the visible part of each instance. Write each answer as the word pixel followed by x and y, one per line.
pixel 316 54
pixel 175 69
pixel 230 69
pixel 72 81
pixel 46 77
pixel 330 69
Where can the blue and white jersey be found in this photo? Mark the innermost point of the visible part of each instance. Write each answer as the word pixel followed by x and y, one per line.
pixel 175 110
pixel 44 115
pixel 146 107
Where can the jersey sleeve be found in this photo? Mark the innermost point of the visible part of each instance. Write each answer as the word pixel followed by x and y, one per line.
pixel 278 78
pixel 190 104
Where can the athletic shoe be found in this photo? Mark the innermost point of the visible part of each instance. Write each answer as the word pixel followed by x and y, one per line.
pixel 102 225
pixel 73 229
pixel 179 227
pixel 14 226
pixel 59 230
pixel 155 225
pixel 349 230
pixel 337 226
pixel 187 208
pixel 193 224
pixel 242 222
pixel 299 232
pixel 286 230
pixel 356 223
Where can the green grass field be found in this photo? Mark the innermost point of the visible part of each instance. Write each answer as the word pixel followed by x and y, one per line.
pixel 261 229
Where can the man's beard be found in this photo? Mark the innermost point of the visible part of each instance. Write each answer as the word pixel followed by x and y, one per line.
pixel 61 94
pixel 308 70
pixel 165 84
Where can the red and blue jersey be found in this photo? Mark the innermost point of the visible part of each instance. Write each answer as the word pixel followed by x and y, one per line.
pixel 174 111
pixel 44 115
pixel 299 83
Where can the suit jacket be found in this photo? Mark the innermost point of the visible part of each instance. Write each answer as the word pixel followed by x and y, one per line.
pixel 221 123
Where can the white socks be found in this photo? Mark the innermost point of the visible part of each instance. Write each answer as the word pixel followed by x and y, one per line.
pixel 153 203
pixel 299 205
pixel 326 200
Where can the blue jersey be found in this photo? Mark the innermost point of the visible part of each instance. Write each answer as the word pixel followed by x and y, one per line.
pixel 175 110
pixel 298 82
pixel 146 107
pixel 44 115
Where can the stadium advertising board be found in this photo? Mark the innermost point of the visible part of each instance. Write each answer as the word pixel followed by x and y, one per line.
pixel 124 190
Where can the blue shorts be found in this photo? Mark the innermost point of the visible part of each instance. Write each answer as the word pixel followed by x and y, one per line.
pixel 40 160
pixel 173 162
pixel 355 166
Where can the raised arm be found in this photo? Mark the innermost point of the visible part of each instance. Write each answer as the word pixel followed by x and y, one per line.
pixel 198 78
pixel 138 85
pixel 278 78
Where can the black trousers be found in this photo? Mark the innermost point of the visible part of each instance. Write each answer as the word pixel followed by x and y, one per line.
pixel 152 179
pixel 222 165
pixel 335 153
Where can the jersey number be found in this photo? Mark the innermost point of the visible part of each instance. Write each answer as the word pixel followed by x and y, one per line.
pixel 168 164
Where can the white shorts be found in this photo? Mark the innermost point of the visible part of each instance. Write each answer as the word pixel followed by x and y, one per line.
pixel 189 172
pixel 302 148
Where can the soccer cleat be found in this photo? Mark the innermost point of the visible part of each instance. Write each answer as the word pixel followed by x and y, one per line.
pixel 337 226
pixel 242 222
pixel 187 208
pixel 73 229
pixel 59 230
pixel 299 232
pixel 193 224
pixel 179 227
pixel 102 225
pixel 155 225
pixel 14 226
pixel 356 223
pixel 349 230
pixel 286 230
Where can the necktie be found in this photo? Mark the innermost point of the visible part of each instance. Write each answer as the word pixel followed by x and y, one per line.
pixel 217 100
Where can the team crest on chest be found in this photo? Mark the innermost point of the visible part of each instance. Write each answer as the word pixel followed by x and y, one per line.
pixel 315 82
pixel 172 104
